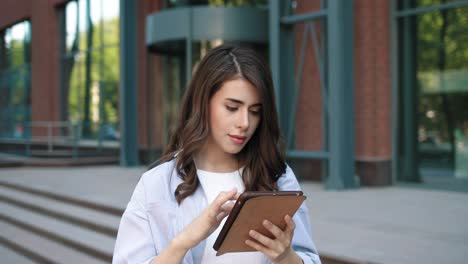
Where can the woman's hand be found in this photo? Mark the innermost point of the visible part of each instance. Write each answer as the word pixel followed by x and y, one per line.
pixel 199 229
pixel 278 250
pixel 207 222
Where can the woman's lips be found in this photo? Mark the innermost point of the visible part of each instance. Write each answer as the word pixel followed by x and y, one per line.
pixel 237 139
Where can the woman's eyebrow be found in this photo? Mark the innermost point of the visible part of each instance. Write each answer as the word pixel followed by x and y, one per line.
pixel 235 101
pixel 241 102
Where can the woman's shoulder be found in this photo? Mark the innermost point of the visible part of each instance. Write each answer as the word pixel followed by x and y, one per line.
pixel 160 169
pixel 159 181
pixel 288 181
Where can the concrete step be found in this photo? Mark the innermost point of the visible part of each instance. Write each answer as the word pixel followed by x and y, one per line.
pixel 10 163
pixel 82 216
pixel 68 153
pixel 63 198
pixel 80 239
pixel 10 256
pixel 35 248
pixel 66 162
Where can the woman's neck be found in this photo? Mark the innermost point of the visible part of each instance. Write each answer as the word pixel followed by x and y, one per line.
pixel 215 161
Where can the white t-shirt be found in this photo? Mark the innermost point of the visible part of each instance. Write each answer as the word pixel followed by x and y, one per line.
pixel 212 184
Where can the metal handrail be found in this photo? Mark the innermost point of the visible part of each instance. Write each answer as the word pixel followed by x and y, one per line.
pixel 50 125
pixel 74 127
pixel 58 132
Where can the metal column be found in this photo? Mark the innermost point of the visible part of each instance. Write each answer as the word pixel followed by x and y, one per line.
pixel 340 77
pixel 409 165
pixel 128 83
pixel 282 63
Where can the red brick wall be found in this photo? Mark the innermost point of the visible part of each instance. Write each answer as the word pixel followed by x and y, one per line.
pixel 44 62
pixel 371 83
pixel 309 102
pixel 372 90
pixel 13 11
pixel 44 52
pixel 149 90
pixel 372 80
pixel 371 75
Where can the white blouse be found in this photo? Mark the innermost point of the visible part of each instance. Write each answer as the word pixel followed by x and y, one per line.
pixel 212 184
pixel 153 218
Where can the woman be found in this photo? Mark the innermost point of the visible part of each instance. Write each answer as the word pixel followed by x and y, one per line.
pixel 227 140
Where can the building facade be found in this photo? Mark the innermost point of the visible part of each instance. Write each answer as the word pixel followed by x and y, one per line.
pixel 369 92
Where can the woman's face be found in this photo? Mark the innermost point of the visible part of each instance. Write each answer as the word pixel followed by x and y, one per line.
pixel 235 112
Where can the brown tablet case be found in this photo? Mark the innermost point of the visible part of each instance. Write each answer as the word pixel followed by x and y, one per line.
pixel 249 212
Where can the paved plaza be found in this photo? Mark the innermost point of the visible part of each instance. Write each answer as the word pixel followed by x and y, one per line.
pixel 368 225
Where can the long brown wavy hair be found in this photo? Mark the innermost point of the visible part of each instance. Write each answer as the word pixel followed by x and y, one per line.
pixel 263 155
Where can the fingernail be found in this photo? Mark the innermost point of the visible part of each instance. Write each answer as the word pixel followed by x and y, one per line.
pixel 251 232
pixel 266 222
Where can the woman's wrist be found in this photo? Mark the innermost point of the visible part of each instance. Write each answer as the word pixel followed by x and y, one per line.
pixel 174 253
pixel 179 243
pixel 291 258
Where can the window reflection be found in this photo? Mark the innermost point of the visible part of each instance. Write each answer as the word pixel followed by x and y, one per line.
pixel 181 3
pixel 402 4
pixel 90 67
pixel 442 70
pixel 15 80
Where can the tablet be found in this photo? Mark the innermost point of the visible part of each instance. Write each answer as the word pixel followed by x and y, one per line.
pixel 248 213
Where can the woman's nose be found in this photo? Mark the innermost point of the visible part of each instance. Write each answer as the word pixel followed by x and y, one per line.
pixel 243 120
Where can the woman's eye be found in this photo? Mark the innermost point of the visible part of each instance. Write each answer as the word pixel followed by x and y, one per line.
pixel 231 108
pixel 255 112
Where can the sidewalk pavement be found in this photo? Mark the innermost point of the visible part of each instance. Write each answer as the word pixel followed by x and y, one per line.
pixel 377 225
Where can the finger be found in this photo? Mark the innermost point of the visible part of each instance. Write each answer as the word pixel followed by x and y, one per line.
pixel 275 230
pixel 221 216
pixel 227 206
pixel 290 225
pixel 223 197
pixel 266 241
pixel 258 247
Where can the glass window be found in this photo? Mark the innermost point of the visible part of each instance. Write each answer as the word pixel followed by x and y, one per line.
pixel 15 80
pixel 442 74
pixel 405 4
pixel 179 3
pixel 440 45
pixel 90 66
pixel 298 7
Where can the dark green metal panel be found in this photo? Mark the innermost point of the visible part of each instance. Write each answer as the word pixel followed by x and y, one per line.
pixel 340 78
pixel 170 24
pixel 340 96
pixel 63 101
pixel 231 23
pixel 395 93
pixel 128 83
pixel 287 81
pixel 282 63
pixel 188 47
pixel 274 38
pixel 303 17
pixel 206 23
pixel 409 164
